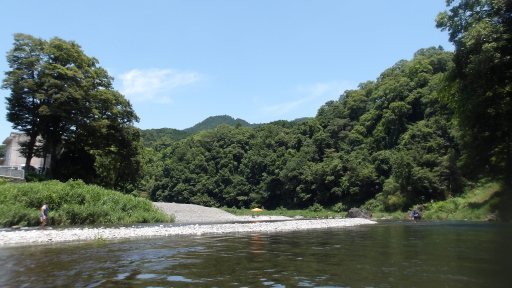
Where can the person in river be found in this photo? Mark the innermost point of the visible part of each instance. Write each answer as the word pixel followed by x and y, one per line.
pixel 43 216
pixel 415 215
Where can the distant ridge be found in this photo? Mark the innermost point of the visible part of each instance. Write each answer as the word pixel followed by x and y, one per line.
pixel 213 121
pixel 163 136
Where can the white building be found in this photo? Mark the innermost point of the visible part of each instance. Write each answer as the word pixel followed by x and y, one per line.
pixel 14 158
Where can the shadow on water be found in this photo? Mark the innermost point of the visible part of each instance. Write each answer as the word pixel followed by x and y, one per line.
pixel 387 254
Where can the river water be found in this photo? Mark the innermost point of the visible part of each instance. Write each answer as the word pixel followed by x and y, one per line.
pixel 387 254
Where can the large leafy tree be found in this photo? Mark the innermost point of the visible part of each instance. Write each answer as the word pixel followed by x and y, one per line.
pixel 24 80
pixel 64 96
pixel 480 83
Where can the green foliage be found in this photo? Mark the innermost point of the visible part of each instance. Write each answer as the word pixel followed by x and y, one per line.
pixel 414 135
pixel 2 151
pixel 73 203
pixel 340 207
pixel 121 167
pixel 214 121
pixel 159 139
pixel 31 176
pixel 391 140
pixel 486 198
pixel 300 120
pixel 376 204
pixel 63 96
pixel 316 208
pixel 281 211
pixel 478 85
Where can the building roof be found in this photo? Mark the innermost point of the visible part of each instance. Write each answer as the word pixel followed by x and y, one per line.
pixel 11 137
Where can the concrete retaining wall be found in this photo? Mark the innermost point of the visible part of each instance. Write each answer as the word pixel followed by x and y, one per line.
pixel 12 172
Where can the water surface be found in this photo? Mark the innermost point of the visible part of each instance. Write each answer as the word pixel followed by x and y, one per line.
pixel 388 254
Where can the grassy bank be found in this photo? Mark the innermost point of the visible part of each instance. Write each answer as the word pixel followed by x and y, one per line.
pixel 308 213
pixel 72 203
pixel 486 201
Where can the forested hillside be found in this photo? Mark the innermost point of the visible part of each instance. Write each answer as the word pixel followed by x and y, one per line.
pixel 214 121
pixel 388 145
pixel 162 137
pixel 425 130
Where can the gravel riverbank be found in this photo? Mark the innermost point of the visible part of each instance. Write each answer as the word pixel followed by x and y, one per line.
pixel 190 213
pixel 201 215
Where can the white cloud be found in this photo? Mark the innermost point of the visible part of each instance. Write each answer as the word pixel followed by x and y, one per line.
pixel 308 97
pixel 154 85
pixel 283 108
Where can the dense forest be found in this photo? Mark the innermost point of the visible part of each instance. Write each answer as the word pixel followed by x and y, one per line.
pixel 387 145
pixel 162 137
pixel 214 121
pixel 425 130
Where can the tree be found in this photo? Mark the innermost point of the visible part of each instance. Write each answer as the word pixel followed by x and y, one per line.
pixel 2 151
pixel 387 145
pixel 119 166
pixel 77 98
pixel 25 83
pixel 62 95
pixel 479 86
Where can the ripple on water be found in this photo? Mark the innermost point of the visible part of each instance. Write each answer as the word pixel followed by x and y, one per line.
pixel 382 255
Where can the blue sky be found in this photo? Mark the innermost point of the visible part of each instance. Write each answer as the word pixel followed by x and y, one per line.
pixel 179 62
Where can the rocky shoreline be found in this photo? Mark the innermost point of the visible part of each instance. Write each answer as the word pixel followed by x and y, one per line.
pixel 35 236
pixel 205 223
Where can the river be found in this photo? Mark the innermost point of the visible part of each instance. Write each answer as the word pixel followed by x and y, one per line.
pixel 387 254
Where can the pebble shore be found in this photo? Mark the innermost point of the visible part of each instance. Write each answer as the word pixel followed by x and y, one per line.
pixel 86 234
pixel 241 224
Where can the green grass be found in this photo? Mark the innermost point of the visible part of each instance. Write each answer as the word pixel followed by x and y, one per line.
pixel 486 199
pixel 307 213
pixel 477 204
pixel 75 203
pixel 72 203
pixel 392 215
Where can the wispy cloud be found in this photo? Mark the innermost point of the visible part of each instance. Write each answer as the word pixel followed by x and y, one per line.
pixel 309 96
pixel 283 108
pixel 154 85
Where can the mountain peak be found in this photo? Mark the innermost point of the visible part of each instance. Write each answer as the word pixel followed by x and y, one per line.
pixel 213 121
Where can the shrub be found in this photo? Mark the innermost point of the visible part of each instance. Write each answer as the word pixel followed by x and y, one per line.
pixel 374 205
pixel 339 208
pixel 73 203
pixel 316 208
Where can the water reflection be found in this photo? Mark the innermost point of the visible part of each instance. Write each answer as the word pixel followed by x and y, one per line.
pixel 391 254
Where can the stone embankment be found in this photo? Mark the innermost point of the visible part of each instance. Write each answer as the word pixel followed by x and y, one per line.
pixel 203 220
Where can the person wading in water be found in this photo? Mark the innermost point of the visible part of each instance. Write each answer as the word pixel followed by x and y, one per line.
pixel 43 216
pixel 415 215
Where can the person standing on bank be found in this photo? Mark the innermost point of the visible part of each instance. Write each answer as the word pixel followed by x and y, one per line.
pixel 43 216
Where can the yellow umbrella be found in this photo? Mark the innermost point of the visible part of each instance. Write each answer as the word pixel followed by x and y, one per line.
pixel 256 210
